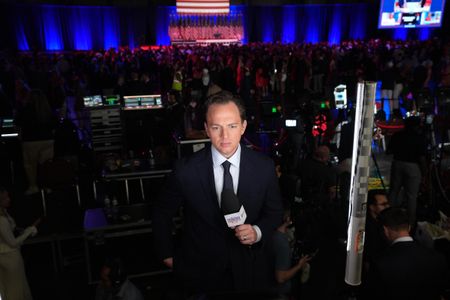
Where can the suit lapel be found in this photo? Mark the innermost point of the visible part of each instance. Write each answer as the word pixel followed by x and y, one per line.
pixel 210 208
pixel 245 173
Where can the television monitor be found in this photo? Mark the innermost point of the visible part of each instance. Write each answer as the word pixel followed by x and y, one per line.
pixel 7 123
pixel 111 99
pixel 142 102
pixel 340 96
pixel 8 130
pixel 148 101
pixel 93 101
pixel 411 13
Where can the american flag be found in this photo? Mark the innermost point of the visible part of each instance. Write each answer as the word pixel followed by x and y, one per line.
pixel 202 7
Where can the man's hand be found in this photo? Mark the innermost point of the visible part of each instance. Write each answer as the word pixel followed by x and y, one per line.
pixel 168 262
pixel 302 261
pixel 246 234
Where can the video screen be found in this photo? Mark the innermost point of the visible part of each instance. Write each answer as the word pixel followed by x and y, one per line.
pixel 93 101
pixel 7 128
pixel 142 102
pixel 340 96
pixel 147 101
pixel 111 100
pixel 7 123
pixel 411 13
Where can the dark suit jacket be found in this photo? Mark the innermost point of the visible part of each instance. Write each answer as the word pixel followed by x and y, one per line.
pixel 375 242
pixel 408 271
pixel 209 257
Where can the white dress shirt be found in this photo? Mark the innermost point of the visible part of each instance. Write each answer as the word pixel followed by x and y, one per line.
pixel 218 159
pixel 235 160
pixel 403 239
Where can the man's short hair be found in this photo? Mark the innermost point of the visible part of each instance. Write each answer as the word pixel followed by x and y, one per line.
pixel 371 196
pixel 225 97
pixel 395 218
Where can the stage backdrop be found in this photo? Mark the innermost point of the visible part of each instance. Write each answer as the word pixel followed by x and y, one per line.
pixel 56 27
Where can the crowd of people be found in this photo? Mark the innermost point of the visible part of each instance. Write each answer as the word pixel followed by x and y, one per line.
pixel 211 257
pixel 253 71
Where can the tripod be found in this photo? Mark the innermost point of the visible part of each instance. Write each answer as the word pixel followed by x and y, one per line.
pixel 377 169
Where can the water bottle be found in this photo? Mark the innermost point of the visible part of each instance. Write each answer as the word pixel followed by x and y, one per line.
pixel 151 158
pixel 115 210
pixel 108 210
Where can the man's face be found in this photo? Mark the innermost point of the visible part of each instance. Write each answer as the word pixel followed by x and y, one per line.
pixel 225 127
pixel 104 276
pixel 381 203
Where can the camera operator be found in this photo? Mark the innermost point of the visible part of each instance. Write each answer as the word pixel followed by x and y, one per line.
pixel 318 178
pixel 409 148
pixel 287 266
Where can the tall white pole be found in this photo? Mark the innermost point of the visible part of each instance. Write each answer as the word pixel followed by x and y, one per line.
pixel 362 142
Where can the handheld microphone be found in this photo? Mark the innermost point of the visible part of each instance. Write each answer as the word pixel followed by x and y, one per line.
pixel 232 209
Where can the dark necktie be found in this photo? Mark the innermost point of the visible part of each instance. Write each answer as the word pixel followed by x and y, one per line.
pixel 227 179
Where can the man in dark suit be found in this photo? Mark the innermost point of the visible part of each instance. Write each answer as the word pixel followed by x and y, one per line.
pixel 406 270
pixel 210 257
pixel 375 242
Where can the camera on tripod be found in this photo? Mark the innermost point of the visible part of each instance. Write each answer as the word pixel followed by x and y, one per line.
pixel 294 123
pixel 290 123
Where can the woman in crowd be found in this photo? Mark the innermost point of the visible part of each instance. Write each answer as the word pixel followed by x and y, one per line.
pixel 13 281
pixel 37 124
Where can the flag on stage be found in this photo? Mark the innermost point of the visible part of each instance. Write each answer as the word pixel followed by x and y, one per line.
pixel 203 7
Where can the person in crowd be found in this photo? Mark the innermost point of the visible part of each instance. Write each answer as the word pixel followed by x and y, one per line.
pixel 375 242
pixel 174 116
pixel 318 178
pixel 120 88
pixel 114 283
pixel 285 270
pixel 406 270
pixel 134 86
pixel 261 83
pixel 13 280
pixel 211 257
pixel 37 125
pixel 409 148
pixel 56 93
pixel 147 85
pixel 193 120
pixel 387 85
pixel 419 79
pixel 177 83
pixel 397 93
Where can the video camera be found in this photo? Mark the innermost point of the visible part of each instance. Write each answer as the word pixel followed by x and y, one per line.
pixel 294 123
